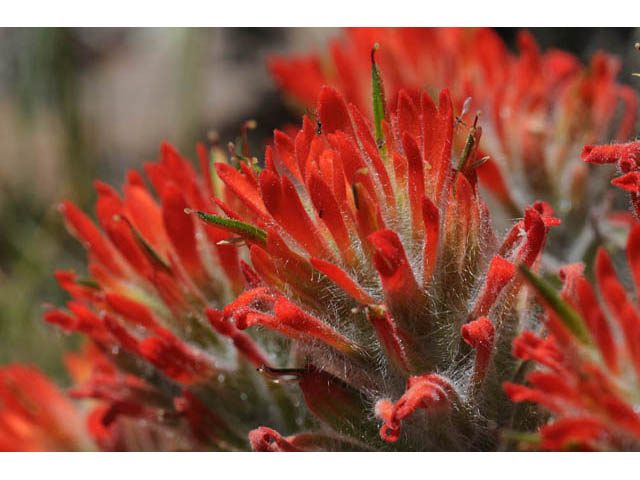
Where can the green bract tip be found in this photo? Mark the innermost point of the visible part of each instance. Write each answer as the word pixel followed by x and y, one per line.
pixel 567 315
pixel 235 226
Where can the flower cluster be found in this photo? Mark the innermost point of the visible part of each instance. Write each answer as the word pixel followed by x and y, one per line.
pixel 349 292
pixel 375 266
pixel 157 278
pixel 589 361
pixel 538 109
pixel 381 262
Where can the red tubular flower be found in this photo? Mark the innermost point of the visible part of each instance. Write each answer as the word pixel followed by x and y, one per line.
pixel 176 361
pixel 293 322
pixel 344 281
pixel 397 344
pixel 128 412
pixel 499 274
pixel 617 303
pixel 480 334
pixel 588 377
pixel 431 219
pixel 132 311
pixel 626 157
pixel 427 391
pixel 391 262
pixel 243 343
pixel 265 439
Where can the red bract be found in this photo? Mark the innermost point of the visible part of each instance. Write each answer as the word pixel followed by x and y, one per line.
pixel 539 108
pixel 36 416
pixel 589 365
pixel 625 157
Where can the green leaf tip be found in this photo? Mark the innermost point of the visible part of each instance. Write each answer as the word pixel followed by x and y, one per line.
pixel 471 141
pixel 88 282
pixel 234 226
pixel 569 317
pixel 378 97
pixel 140 240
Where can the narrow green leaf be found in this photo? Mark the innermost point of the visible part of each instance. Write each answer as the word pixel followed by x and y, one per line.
pixel 471 140
pixel 569 317
pixel 234 226
pixel 155 256
pixel 378 97
pixel 467 149
pixel 88 282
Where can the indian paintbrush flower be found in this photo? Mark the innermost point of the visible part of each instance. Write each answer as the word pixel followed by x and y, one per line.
pixel 350 292
pixel 374 264
pixel 588 364
pixel 538 108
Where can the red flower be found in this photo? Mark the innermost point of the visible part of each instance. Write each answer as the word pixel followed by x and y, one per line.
pixel 589 365
pixel 361 259
pixel 353 237
pixel 36 416
pixel 363 253
pixel 626 158
pixel 427 391
pixel 538 108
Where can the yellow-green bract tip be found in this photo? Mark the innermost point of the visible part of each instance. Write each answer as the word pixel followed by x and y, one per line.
pixel 568 316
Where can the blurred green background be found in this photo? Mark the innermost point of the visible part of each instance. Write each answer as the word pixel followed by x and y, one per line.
pixel 79 104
